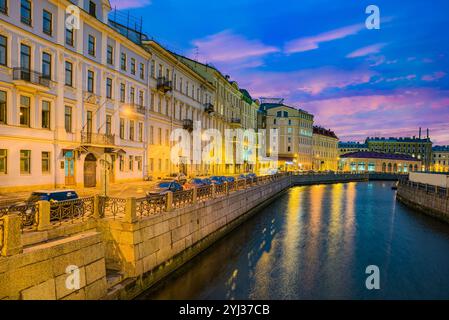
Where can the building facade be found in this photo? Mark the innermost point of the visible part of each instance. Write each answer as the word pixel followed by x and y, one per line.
pixel 294 129
pixel 440 158
pixel 325 150
pixel 417 147
pixel 351 146
pixel 73 101
pixel 369 161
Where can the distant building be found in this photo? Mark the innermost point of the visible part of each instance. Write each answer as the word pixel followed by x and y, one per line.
pixel 369 161
pixel 325 149
pixel 351 146
pixel 295 130
pixel 417 147
pixel 440 158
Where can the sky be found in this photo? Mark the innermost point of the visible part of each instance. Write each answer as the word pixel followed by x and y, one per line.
pixel 319 56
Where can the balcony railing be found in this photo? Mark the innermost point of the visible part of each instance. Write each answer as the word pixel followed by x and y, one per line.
pixel 164 85
pixel 97 138
pixel 209 108
pixel 22 74
pixel 187 124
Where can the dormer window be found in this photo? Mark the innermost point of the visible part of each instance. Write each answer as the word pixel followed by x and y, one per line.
pixel 92 9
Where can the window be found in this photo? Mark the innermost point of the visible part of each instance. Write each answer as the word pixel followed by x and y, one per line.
pixel 90 81
pixel 25 12
pixel 91 45
pixel 167 137
pixel 46 65
pixel 69 37
pixel 45 162
pixel 122 128
pixel 160 136
pixel 151 135
pixel 122 92
pixel 25 105
pixel 131 130
pixel 121 163
pixel 140 133
pixel 3 110
pixel 68 74
pixel 25 60
pixel 47 26
pixel 131 163
pixel 133 66
pixel 110 55
pixel 3 161
pixel 68 119
pixel 3 7
pixel 45 115
pixel 152 101
pixel 92 9
pixel 3 50
pixel 139 163
pixel 108 124
pixel 109 88
pixel 141 98
pixel 285 114
pixel 142 71
pixel 25 161
pixel 132 95
pixel 152 68
pixel 123 61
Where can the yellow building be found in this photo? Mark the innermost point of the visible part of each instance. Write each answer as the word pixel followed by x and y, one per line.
pixel 369 161
pixel 440 159
pixel 325 150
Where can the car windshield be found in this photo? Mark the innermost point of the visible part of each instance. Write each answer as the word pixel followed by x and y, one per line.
pixel 36 197
pixel 164 185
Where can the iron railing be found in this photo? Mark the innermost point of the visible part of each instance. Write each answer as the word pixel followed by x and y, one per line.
pixel 203 193
pixel 31 76
pixel 97 138
pixel 110 207
pixel 431 189
pixel 182 198
pixel 71 210
pixel 28 213
pixel 150 205
pixel 164 84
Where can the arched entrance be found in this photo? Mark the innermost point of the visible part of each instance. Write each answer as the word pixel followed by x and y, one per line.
pixel 90 171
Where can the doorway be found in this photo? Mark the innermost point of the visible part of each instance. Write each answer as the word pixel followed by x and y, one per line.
pixel 90 171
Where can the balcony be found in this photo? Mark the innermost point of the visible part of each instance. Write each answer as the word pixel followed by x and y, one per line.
pixel 140 109
pixel 236 123
pixel 100 139
pixel 187 124
pixel 28 78
pixel 164 85
pixel 209 108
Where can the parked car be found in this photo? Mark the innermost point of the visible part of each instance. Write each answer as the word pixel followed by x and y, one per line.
pixel 165 186
pixel 229 179
pixel 241 177
pixel 207 181
pixel 195 182
pixel 217 180
pixel 251 176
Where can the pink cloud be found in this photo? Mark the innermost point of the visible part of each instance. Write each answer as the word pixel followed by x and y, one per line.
pixel 227 47
pixel 129 4
pixel 434 76
pixel 375 48
pixel 313 42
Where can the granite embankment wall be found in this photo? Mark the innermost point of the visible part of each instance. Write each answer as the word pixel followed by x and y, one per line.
pixel 428 199
pixel 124 246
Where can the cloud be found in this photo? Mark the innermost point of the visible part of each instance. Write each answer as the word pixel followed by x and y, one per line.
pixel 375 48
pixel 434 76
pixel 229 48
pixel 129 4
pixel 313 42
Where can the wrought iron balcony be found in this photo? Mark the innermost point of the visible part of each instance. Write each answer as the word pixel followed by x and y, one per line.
pixel 140 109
pixel 187 124
pixel 236 122
pixel 209 108
pixel 97 139
pixel 33 77
pixel 164 85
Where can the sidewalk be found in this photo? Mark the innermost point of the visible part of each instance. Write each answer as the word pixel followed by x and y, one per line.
pixel 120 190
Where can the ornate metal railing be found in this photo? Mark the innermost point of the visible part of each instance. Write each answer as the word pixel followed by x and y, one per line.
pixel 220 189
pixel 71 210
pixel 28 213
pixel 97 138
pixel 440 191
pixel 31 76
pixel 204 193
pixel 232 186
pixel 182 198
pixel 241 184
pixel 111 207
pixel 151 205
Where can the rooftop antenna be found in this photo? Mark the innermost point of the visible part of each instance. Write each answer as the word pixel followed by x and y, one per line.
pixel 197 53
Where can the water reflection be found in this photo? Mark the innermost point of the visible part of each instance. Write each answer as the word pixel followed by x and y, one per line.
pixel 315 242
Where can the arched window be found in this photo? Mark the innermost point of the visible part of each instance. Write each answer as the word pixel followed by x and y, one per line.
pixel 389 167
pixel 384 167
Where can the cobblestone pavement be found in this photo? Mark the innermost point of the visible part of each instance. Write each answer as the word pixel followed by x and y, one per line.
pixel 120 190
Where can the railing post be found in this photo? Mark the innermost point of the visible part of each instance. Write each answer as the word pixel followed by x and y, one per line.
pixel 96 214
pixel 130 210
pixel 212 191
pixel 226 186
pixel 43 219
pixel 169 205
pixel 194 195
pixel 11 234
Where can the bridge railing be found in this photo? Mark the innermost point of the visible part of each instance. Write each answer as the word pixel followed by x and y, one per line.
pixel 428 188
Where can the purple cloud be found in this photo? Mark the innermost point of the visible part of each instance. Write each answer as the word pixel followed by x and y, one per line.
pixel 362 52
pixel 313 42
pixel 434 76
pixel 129 4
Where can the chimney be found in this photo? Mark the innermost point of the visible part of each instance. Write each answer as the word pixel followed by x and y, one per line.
pixel 428 133
pixel 420 132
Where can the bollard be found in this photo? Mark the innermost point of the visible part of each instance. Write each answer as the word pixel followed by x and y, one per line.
pixel 226 186
pixel 194 195
pixel 11 234
pixel 96 214
pixel 213 191
pixel 169 205
pixel 130 210
pixel 43 216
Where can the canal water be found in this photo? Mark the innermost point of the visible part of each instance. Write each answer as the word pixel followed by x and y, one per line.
pixel 316 242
